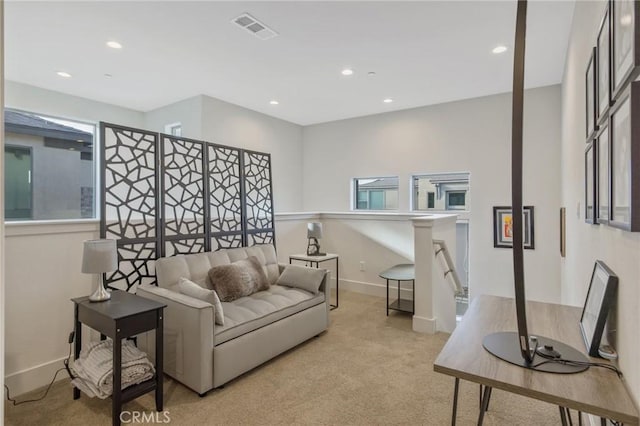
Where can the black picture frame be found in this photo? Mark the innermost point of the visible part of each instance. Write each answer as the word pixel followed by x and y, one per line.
pixel 624 204
pixel 602 172
pixel 600 298
pixel 501 215
pixel 603 61
pixel 625 42
pixel 591 95
pixel 590 183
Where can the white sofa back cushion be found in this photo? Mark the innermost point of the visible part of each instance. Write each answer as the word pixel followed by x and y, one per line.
pixel 195 266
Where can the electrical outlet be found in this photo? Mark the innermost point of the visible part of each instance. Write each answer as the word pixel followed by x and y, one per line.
pixel 362 265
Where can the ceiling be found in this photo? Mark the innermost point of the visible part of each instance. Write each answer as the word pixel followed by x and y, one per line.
pixel 423 53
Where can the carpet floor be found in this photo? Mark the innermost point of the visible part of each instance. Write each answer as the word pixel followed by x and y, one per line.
pixel 367 369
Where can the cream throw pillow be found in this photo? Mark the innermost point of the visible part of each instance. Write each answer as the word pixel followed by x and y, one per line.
pixel 189 288
pixel 302 277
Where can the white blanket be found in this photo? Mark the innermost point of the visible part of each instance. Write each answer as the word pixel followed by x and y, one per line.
pixel 94 368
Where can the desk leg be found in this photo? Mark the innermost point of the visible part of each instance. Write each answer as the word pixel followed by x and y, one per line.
pixel 455 400
pixel 485 403
pixel 116 397
pixel 159 361
pixel 337 284
pixel 77 331
pixel 388 311
pixel 563 416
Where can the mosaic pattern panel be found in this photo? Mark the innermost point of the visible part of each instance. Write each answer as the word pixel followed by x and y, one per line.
pixel 184 246
pixel 136 266
pixel 130 184
pixel 183 187
pixel 257 185
pixel 225 199
pixel 226 241
pixel 267 237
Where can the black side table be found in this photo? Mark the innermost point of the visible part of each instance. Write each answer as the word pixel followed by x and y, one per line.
pixel 124 315
pixel 402 272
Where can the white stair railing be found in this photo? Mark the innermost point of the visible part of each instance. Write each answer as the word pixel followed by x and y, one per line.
pixel 449 268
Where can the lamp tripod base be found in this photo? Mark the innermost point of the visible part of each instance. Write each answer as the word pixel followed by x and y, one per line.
pixel 101 294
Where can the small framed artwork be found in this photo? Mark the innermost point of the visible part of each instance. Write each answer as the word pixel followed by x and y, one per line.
pixel 589 183
pixel 625 161
pixel 625 54
pixel 602 175
pixel 600 298
pixel 503 227
pixel 590 86
pixel 604 83
pixel 563 231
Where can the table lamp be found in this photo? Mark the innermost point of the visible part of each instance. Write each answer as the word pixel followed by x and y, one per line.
pixel 314 233
pixel 99 257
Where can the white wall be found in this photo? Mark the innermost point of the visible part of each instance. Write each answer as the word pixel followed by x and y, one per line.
pixel 2 263
pixel 187 112
pixel 43 101
pixel 471 135
pixel 585 243
pixel 230 124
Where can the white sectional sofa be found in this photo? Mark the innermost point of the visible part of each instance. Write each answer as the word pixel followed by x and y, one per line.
pixel 204 355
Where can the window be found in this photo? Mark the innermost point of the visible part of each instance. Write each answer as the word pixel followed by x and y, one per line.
pixel 174 129
pixel 376 193
pixel 49 167
pixel 440 191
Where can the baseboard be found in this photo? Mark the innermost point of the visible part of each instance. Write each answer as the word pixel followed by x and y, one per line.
pixel 34 377
pixel 424 325
pixel 372 289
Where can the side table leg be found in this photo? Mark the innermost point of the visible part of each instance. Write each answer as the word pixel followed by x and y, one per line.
pixel 77 332
pixel 455 402
pixel 116 397
pixel 159 361
pixel 337 284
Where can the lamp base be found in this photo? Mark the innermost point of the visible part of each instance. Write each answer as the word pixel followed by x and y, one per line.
pixel 100 295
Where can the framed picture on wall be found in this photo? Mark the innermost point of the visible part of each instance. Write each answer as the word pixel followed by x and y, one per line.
pixel 589 183
pixel 625 161
pixel 590 86
pixel 625 36
pixel 602 174
pixel 603 59
pixel 600 298
pixel 503 227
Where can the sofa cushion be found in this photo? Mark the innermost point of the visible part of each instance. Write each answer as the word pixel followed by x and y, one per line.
pixel 263 308
pixel 302 277
pixel 189 288
pixel 241 278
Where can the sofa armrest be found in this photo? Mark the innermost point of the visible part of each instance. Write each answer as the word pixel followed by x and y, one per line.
pixel 188 337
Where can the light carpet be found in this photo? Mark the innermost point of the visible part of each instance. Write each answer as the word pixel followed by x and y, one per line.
pixel 367 369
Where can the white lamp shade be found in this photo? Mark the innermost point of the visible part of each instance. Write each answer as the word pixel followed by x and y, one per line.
pixel 99 256
pixel 314 230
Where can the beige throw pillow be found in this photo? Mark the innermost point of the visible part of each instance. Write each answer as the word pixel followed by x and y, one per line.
pixel 189 288
pixel 302 277
pixel 239 279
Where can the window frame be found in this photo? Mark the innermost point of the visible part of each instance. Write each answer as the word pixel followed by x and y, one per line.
pixel 414 193
pixel 354 194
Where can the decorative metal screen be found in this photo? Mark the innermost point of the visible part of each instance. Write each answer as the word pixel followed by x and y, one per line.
pixel 165 195
pixel 129 210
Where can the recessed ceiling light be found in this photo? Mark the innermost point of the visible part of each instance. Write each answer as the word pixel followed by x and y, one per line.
pixel 388 101
pixel 108 75
pixel 64 74
pixel 499 49
pixel 347 71
pixel 114 44
pixel 371 73
pixel 274 102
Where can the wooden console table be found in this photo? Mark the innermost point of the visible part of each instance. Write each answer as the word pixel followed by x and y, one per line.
pixel 122 316
pixel 596 391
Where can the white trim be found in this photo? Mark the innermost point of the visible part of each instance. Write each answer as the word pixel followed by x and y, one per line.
pixel 16 229
pixel 369 215
pixel 35 377
pixel 282 217
pixel 371 289
pixel 424 325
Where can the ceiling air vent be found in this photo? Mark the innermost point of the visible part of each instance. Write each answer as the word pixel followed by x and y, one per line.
pixel 255 27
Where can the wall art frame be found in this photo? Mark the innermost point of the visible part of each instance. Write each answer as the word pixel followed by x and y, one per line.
pixel 590 183
pixel 602 174
pixel 591 95
pixel 502 227
pixel 603 55
pixel 624 199
pixel 625 44
pixel 600 298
